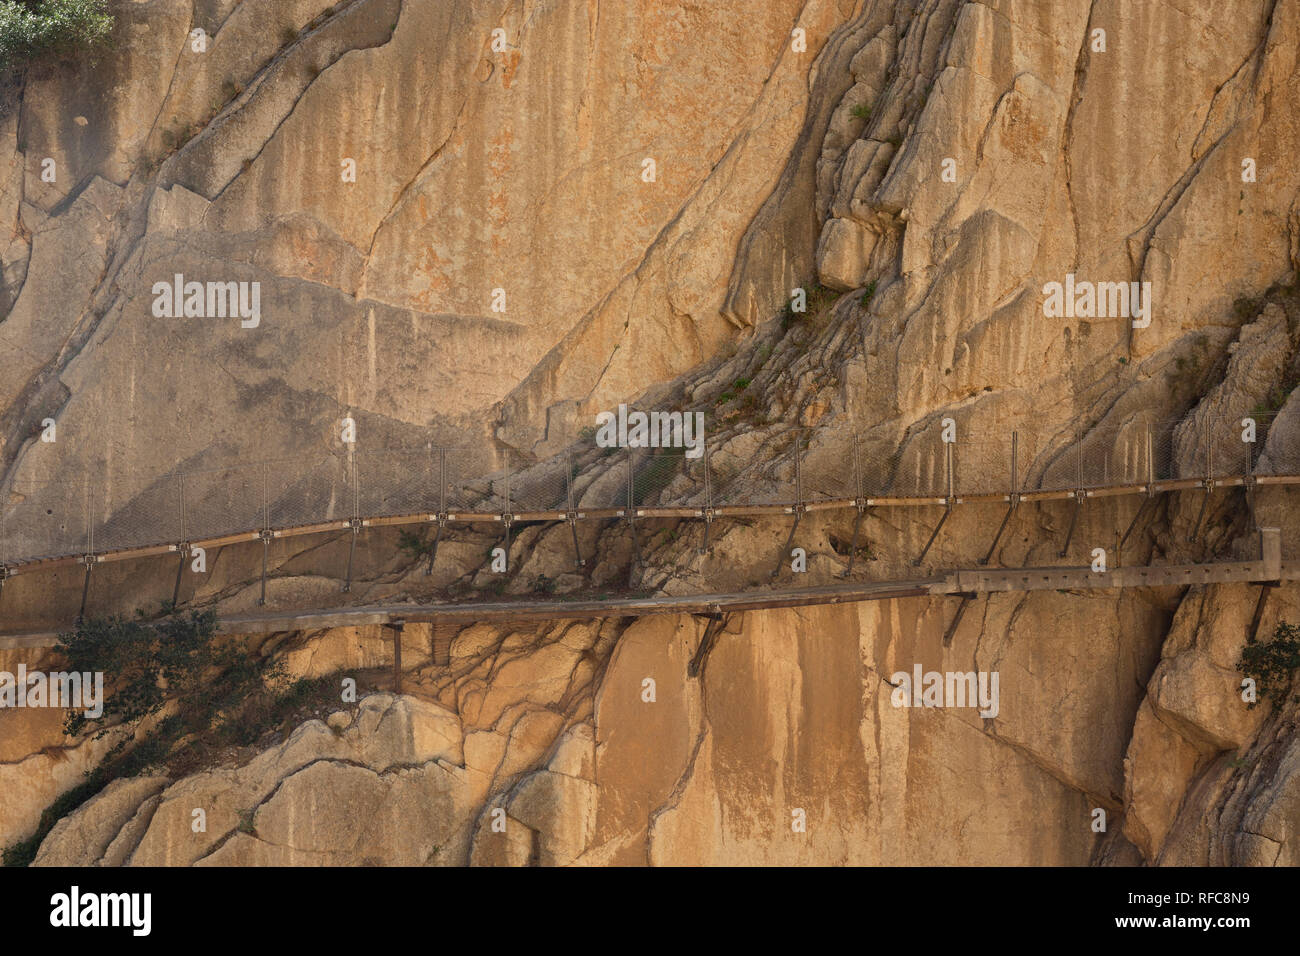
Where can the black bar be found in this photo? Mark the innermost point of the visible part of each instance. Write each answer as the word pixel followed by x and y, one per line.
pixel 1074 518
pixel 85 590
pixel 433 550
pixel 966 599
pixel 998 537
pixel 180 569
pixel 947 510
pixel 780 558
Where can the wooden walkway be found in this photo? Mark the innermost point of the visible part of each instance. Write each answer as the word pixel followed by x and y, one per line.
pixel 1269 569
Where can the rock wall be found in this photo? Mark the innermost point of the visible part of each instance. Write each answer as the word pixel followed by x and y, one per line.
pixel 931 163
pixel 546 748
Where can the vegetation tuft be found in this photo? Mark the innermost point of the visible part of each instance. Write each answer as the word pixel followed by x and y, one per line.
pixel 414 544
pixel 1272 665
pixel 41 29
pixel 868 291
pixel 205 693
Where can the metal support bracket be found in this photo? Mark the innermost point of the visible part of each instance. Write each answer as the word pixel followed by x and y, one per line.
pixel 717 621
pixel 630 517
pixel 1142 509
pixel 1079 495
pixel 966 598
pixel 354 525
pixel 1264 590
pixel 861 505
pixel 266 535
pixel 947 510
pixel 184 549
pixel 1006 519
pixel 89 560
pixel 1250 484
pixel 780 558
pixel 441 518
pixel 708 515
pixel 578 560
pixel 1208 485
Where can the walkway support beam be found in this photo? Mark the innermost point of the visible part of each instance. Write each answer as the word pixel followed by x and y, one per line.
pixel 948 503
pixel 1013 497
pixel 966 598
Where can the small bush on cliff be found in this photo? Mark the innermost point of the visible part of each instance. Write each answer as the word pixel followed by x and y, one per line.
pixel 144 664
pixel 222 696
pixel 414 545
pixel 1273 665
pixel 30 29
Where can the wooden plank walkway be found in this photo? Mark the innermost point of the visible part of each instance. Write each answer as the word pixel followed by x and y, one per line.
pixel 1270 568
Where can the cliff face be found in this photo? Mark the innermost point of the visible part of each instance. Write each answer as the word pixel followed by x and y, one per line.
pixel 483 161
pixel 938 161
pixel 543 748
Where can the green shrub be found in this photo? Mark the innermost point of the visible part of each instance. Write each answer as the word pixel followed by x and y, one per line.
pixel 414 544
pixel 1272 665
pixel 867 293
pixel 140 659
pixel 221 692
pixel 30 29
pixel 862 111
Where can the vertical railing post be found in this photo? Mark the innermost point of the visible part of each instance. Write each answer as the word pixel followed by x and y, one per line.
pixel 1248 476
pixel 264 533
pixel 798 503
pixel 859 502
pixel 1207 479
pixel 1015 451
pixel 4 549
pixel 441 516
pixel 1150 487
pixel 89 557
pixel 507 516
pixel 798 473
pixel 571 510
pixel 1013 500
pixel 708 498
pixel 949 482
pixel 948 501
pixel 182 542
pixel 1079 494
pixel 1248 471
pixel 630 513
pixel 1209 449
pixel 1078 456
pixel 354 524
pixel 1151 459
pixel 442 481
